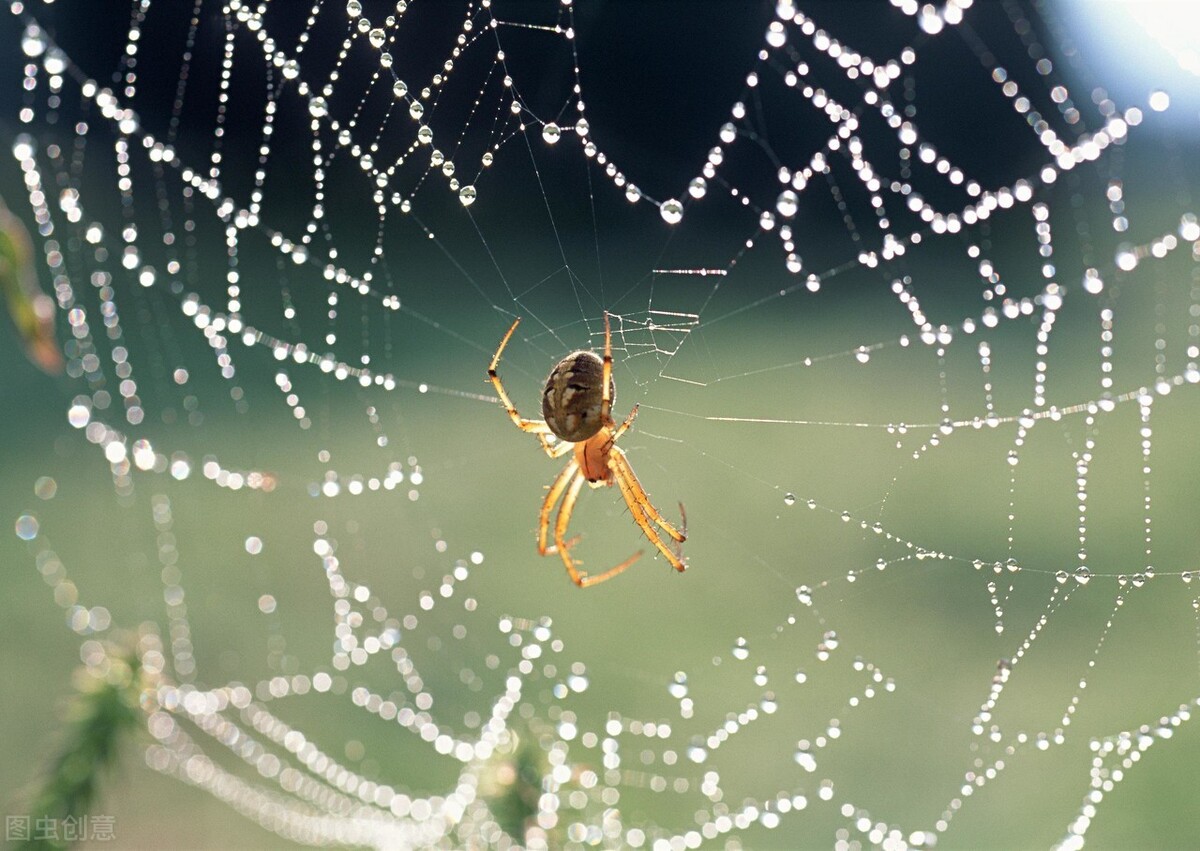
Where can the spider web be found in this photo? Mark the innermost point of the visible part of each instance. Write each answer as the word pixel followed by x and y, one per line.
pixel 910 310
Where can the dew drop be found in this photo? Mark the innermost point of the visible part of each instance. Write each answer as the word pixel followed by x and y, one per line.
pixel 377 37
pixel 1061 577
pixel 741 650
pixel 551 133
pixel 787 204
pixel 789 499
pixel 804 595
pixel 291 69
pixel 318 108
pixel 678 688
pixel 33 41
pixel 671 211
pixel 805 760
pixel 399 89
pixel 1082 574
pixel 697 187
pixel 45 487
pixel 466 196
pixel 582 127
pixel 27 527
pixel 416 109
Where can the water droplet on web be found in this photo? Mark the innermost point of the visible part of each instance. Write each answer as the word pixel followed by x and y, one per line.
pixel 377 37
pixel 1061 577
pixel 697 754
pixel 677 688
pixel 1082 574
pixel 804 595
pixel 787 204
pixel 577 683
pixel 1159 100
pixel 318 108
pixel 353 8
pixel 487 159
pixel 805 760
pixel 27 528
pixel 741 650
pixel 399 89
pixel 768 703
pixel 801 677
pixel 728 133
pixel 466 196
pixel 33 41
pixel 697 187
pixel 416 109
pixel 45 487
pixel 551 133
pixel 1186 576
pixel 291 69
pixel 254 545
pixel 789 499
pixel 582 127
pixel 671 211
pixel 794 264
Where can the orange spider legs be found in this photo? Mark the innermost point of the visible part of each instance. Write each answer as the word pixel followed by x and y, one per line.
pixel 570 482
pixel 535 427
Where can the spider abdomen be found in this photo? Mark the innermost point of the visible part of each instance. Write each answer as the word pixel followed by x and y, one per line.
pixel 573 399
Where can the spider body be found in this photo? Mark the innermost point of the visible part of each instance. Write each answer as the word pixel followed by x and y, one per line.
pixel 573 400
pixel 577 410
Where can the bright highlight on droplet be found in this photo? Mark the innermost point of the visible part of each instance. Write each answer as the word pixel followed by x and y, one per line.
pixel 254 545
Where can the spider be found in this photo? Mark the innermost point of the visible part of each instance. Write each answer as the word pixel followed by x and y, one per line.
pixel 577 407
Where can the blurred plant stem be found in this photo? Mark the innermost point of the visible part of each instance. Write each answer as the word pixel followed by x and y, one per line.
pixel 102 714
